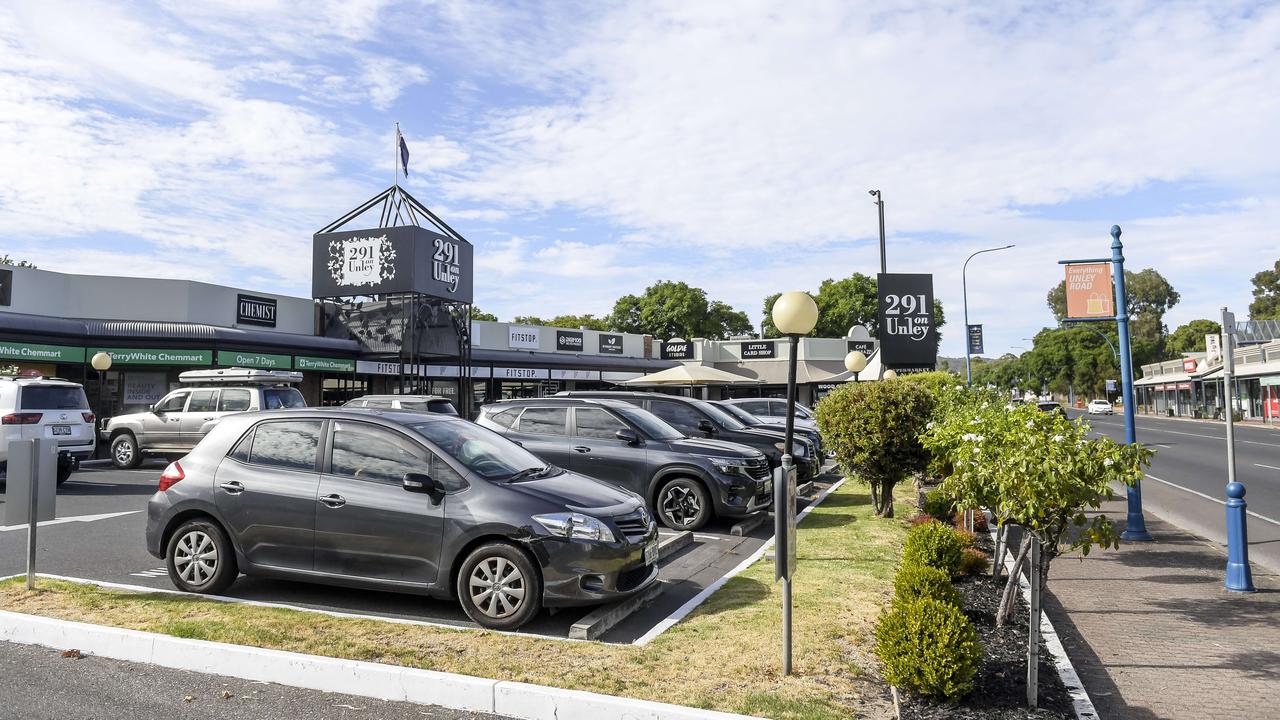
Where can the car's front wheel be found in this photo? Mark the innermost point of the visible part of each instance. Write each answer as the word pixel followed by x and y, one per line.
pixel 683 504
pixel 125 454
pixel 200 558
pixel 499 587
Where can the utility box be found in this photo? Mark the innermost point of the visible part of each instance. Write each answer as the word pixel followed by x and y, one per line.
pixel 33 466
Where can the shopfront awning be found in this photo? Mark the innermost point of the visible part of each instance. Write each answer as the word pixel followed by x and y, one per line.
pixel 1162 379
pixel 775 372
pixel 482 356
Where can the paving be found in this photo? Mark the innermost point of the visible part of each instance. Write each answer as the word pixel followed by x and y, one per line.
pixel 41 684
pixel 1153 634
pixel 99 536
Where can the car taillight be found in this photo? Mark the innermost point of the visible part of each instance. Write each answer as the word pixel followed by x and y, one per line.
pixel 171 476
pixel 88 417
pixel 21 418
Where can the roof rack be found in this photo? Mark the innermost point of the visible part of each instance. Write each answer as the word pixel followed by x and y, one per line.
pixel 242 376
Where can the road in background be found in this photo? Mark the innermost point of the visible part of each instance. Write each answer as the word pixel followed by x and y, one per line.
pixel 1187 479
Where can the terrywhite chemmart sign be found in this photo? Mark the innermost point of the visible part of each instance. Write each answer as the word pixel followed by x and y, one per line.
pixel 41 353
pixel 154 357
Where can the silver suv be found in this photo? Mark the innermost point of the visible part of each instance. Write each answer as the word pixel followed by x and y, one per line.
pixel 173 426
pixel 39 407
pixel 420 403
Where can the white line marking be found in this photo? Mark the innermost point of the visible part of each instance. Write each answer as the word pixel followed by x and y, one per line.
pixel 1199 435
pixel 1269 467
pixel 1263 518
pixel 76 518
pixel 683 611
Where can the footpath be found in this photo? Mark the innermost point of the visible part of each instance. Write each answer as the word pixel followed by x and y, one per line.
pixel 1153 634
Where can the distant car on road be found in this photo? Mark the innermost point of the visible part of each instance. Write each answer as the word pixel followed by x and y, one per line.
pixel 420 403
pixel 407 502
pixel 1052 408
pixel 40 407
pixel 1099 407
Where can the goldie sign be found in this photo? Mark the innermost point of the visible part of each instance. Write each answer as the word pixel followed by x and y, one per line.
pixel 1089 291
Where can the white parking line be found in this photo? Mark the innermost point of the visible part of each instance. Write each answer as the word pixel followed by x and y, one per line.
pixel 1263 518
pixel 1269 467
pixel 153 573
pixel 1199 435
pixel 74 518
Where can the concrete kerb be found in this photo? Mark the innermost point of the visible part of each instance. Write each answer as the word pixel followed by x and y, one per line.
pixel 679 541
pixel 1080 702
pixel 746 525
pixel 352 677
pixel 604 618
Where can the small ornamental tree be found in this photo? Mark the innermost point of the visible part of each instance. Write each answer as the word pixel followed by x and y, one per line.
pixel 1034 469
pixel 874 430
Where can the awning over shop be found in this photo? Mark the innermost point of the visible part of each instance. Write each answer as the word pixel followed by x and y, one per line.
pixel 775 372
pixel 1162 379
pixel 483 356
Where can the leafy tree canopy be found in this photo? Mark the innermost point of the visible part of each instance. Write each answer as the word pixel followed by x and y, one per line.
pixel 478 314
pixel 1266 295
pixel 669 309
pixel 6 260
pixel 1190 337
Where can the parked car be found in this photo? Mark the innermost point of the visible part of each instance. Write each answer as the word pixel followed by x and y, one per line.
pixel 699 418
pixel 420 403
pixel 402 501
pixel 1099 407
pixel 40 407
pixel 685 481
pixel 1052 408
pixel 773 410
pixel 810 434
pixel 174 425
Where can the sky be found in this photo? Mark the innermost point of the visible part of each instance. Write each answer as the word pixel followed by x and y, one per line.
pixel 590 149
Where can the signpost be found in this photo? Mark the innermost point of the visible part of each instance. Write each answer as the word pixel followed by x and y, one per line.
pixel 1239 576
pixel 975 339
pixel 904 313
pixel 31 490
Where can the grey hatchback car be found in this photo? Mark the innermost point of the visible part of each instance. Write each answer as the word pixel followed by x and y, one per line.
pixel 402 501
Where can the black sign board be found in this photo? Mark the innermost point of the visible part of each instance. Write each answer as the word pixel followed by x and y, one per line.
pixel 758 349
pixel 908 337
pixel 975 339
pixel 682 350
pixel 391 260
pixel 610 344
pixel 6 287
pixel 254 310
pixel 866 347
pixel 570 340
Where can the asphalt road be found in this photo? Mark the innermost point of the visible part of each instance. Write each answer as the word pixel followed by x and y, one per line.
pixel 41 684
pixel 1186 483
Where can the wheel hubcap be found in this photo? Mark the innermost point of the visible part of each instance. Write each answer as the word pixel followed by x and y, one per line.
pixel 681 505
pixel 497 587
pixel 124 453
pixel 196 557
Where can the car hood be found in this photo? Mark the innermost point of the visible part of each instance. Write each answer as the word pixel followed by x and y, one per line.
pixel 764 433
pixel 129 417
pixel 723 448
pixel 579 494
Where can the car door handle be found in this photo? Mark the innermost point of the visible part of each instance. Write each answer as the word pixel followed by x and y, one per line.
pixel 582 449
pixel 334 501
pixel 234 487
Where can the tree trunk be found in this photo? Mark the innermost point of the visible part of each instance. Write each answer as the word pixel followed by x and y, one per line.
pixel 875 497
pixel 886 502
pixel 1006 599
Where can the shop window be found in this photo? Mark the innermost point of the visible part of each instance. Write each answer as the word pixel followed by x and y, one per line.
pixel 544 421
pixel 203 401
pixel 235 400
pixel 596 423
pixel 289 444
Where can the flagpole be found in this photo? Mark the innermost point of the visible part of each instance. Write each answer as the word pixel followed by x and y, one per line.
pixel 395 165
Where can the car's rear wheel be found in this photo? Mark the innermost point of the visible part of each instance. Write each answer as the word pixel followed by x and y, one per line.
pixel 64 470
pixel 683 504
pixel 499 587
pixel 200 558
pixel 125 454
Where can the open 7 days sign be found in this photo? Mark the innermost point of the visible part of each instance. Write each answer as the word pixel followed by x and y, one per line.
pixel 908 335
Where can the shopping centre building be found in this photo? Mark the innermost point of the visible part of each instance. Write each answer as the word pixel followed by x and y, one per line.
pixel 1191 386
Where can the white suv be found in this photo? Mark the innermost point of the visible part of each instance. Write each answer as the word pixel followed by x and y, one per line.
pixel 39 407
pixel 1099 407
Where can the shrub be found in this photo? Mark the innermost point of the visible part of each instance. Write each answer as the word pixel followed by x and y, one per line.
pixel 974 562
pixel 921 519
pixel 938 505
pixel 928 646
pixel 917 581
pixel 967 539
pixel 935 545
pixel 979 521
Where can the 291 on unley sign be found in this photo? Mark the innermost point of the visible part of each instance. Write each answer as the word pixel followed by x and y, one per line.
pixel 907 331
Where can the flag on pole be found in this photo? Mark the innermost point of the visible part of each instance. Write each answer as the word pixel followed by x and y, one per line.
pixel 404 152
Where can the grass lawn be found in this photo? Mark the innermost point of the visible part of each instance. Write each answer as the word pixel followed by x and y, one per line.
pixel 725 656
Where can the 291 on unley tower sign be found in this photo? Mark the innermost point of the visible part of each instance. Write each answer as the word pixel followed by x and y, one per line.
pixel 907 330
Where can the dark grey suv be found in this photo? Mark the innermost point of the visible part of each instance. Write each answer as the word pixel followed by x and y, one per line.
pixel 402 501
pixel 688 481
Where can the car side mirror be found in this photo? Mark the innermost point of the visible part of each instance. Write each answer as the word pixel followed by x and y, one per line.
pixel 706 427
pixel 419 483
pixel 628 436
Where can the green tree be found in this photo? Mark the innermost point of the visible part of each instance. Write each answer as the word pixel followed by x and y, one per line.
pixel 1266 295
pixel 843 304
pixel 528 320
pixel 669 309
pixel 478 314
pixel 1190 337
pixel 6 260
pixel 1149 297
pixel 588 321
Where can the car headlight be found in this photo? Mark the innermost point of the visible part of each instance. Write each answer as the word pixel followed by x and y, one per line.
pixel 797 449
pixel 575 526
pixel 728 465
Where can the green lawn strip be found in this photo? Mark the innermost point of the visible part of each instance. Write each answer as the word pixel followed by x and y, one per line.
pixel 725 656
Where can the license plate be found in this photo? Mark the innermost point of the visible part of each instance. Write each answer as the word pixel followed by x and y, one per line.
pixel 651 553
pixel 61 429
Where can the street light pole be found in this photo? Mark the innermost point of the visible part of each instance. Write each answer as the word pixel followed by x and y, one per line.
pixel 964 289
pixel 880 205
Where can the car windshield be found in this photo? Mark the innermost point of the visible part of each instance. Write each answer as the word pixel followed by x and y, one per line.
pixel 718 414
pixel 53 397
pixel 282 399
pixel 482 451
pixel 741 414
pixel 650 424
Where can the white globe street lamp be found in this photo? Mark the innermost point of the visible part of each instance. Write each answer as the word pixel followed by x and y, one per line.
pixel 855 362
pixel 890 374
pixel 101 362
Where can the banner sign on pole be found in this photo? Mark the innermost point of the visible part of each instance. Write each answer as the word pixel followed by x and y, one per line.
pixel 1089 291
pixel 908 336
pixel 975 339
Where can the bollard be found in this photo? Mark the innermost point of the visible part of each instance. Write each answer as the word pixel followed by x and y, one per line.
pixel 1239 577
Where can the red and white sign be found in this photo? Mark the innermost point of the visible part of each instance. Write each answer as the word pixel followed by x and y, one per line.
pixel 1190 365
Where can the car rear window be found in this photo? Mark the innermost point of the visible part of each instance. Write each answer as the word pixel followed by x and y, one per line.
pixel 282 398
pixel 53 397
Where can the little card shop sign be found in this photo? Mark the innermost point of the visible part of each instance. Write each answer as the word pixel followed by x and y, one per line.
pixel 908 334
